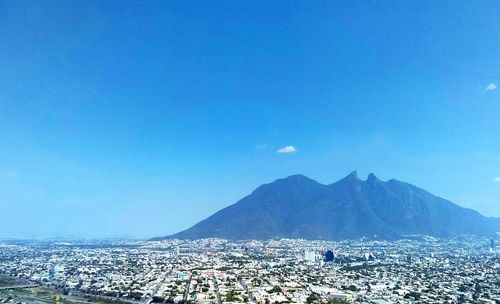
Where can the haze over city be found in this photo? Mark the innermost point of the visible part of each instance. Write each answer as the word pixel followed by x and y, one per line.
pixel 140 120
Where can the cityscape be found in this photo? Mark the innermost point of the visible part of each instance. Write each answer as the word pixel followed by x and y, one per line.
pixel 249 152
pixel 416 269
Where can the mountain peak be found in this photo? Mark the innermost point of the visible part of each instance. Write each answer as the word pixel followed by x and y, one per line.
pixel 371 178
pixel 299 207
pixel 296 181
pixel 296 177
pixel 352 175
pixel 351 179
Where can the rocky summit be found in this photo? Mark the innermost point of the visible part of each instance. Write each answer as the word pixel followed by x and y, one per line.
pixel 299 207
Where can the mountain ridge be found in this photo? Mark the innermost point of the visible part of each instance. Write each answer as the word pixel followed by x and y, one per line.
pixel 300 207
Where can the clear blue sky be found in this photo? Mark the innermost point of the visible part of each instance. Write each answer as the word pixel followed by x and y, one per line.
pixel 139 118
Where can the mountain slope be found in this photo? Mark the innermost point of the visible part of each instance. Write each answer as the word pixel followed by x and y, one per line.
pixel 299 207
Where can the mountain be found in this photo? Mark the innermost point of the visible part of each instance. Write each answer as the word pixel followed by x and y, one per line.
pixel 299 207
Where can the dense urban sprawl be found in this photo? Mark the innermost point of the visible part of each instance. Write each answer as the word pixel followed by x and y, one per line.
pixel 414 270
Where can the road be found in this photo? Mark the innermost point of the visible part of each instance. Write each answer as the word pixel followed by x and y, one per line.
pixel 150 299
pixel 18 287
pixel 102 297
pixel 186 292
pixel 217 293
pixel 250 294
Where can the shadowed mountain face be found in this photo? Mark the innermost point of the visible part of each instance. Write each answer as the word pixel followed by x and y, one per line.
pixel 299 207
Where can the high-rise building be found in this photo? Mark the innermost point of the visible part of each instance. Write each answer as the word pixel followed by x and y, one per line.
pixel 408 258
pixel 369 256
pixel 492 244
pixel 310 256
pixel 329 256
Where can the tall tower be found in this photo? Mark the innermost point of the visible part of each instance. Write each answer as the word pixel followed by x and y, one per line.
pixel 329 256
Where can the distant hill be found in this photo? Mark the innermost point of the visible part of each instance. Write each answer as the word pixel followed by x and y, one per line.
pixel 299 207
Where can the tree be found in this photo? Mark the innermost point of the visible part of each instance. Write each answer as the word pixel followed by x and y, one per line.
pixel 337 301
pixel 311 298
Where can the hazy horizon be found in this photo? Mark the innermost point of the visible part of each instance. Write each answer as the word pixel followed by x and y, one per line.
pixel 138 119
